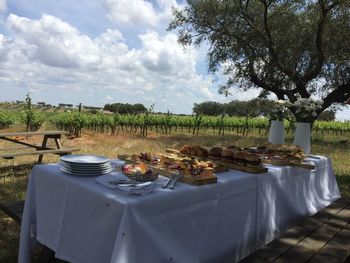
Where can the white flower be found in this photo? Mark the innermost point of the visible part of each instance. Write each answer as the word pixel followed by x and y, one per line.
pixel 306 107
pixel 282 102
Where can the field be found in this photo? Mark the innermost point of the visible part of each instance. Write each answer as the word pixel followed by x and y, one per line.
pixel 13 183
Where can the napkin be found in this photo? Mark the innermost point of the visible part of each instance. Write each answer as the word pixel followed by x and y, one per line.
pixel 129 190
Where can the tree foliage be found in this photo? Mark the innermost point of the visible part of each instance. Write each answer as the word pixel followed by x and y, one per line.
pixel 253 108
pixel 328 115
pixel 126 108
pixel 292 48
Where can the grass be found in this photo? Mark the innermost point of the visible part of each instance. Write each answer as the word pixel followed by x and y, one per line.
pixel 13 183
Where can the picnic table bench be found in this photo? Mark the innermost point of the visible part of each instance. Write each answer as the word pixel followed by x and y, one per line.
pixel 40 150
pixel 15 209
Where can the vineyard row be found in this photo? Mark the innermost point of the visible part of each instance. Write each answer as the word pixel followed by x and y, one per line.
pixel 75 122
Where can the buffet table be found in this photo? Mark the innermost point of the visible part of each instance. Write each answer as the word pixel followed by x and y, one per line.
pixel 83 221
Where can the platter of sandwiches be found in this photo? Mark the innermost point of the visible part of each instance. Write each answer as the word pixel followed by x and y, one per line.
pixel 249 159
pixel 198 164
pixel 232 157
pixel 283 155
pixel 194 171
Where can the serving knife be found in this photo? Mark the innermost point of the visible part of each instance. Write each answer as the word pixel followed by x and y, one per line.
pixel 177 177
pixel 167 183
pixel 138 184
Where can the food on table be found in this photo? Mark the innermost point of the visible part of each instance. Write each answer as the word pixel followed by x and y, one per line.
pixel 227 155
pixel 189 166
pixel 289 152
pixel 145 156
pixel 194 150
pixel 239 158
pixel 235 148
pixel 139 172
pixel 136 169
pixel 148 158
pixel 252 159
pixel 215 153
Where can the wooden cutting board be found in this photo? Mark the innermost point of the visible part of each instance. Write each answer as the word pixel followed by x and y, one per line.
pixel 193 180
pixel 247 169
pixel 291 163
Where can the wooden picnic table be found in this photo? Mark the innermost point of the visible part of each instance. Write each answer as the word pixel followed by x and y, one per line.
pixel 39 149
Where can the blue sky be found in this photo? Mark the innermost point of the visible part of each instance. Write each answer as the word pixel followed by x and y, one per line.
pixel 102 51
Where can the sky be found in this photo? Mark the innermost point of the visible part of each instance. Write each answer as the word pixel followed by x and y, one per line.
pixel 96 52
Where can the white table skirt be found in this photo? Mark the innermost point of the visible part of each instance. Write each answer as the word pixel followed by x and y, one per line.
pixel 83 221
pixel 287 194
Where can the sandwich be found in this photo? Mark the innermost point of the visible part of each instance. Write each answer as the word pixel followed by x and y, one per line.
pixel 215 153
pixel 227 155
pixel 194 150
pixel 252 159
pixel 239 158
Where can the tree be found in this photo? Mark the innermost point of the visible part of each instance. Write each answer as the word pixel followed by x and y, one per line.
pixel 211 108
pixel 328 115
pixel 253 108
pixel 292 48
pixel 126 108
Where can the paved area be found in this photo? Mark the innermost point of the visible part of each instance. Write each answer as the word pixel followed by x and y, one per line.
pixel 321 238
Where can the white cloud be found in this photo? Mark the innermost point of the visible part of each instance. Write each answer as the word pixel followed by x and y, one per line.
pixel 343 114
pixel 139 12
pixel 53 57
pixel 109 98
pixel 3 5
pixel 54 42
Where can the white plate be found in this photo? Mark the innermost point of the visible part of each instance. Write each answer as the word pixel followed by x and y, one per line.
pixel 87 171
pixel 86 167
pixel 84 159
pixel 86 164
pixel 85 174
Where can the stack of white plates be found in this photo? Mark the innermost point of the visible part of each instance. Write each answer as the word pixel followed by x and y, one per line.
pixel 85 165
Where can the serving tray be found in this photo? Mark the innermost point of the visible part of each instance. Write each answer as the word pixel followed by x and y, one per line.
pixel 223 166
pixel 193 180
pixel 290 163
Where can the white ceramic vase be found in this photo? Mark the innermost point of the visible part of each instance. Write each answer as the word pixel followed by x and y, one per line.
pixel 276 135
pixel 302 136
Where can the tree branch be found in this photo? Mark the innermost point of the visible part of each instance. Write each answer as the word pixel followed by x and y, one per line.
pixel 260 83
pixel 315 69
pixel 271 48
pixel 339 94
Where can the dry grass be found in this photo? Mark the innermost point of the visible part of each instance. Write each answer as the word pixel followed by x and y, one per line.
pixel 13 187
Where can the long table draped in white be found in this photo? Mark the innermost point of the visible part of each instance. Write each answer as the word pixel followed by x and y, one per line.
pixel 83 221
pixel 287 194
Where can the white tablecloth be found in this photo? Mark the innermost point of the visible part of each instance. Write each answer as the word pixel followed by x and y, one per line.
pixel 288 194
pixel 83 221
